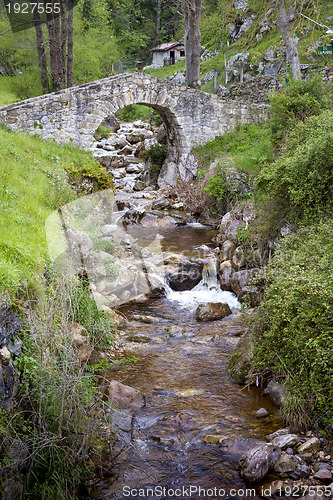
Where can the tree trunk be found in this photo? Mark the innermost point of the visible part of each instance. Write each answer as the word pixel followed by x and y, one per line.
pixel 70 45
pixel 57 49
pixel 285 22
pixel 53 44
pixel 62 44
pixel 86 12
pixel 41 52
pixel 192 11
pixel 158 22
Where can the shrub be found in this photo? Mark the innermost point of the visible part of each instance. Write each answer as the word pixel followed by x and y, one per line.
pixel 93 172
pixel 101 133
pixel 104 246
pixel 112 269
pixel 157 154
pixel 300 183
pixel 58 424
pixel 297 101
pixel 218 193
pixel 134 112
pixel 295 323
pixel 26 85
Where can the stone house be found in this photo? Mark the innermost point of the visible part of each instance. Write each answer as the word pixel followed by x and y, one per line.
pixel 167 54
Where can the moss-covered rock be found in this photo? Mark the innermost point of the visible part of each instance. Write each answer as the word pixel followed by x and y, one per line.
pixel 240 362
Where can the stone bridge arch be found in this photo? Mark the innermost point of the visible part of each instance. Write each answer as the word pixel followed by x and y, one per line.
pixel 191 117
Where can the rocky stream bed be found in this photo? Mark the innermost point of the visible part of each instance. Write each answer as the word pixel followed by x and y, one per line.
pixel 180 422
pixel 181 427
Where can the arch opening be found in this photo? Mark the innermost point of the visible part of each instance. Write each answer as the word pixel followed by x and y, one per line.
pixel 134 143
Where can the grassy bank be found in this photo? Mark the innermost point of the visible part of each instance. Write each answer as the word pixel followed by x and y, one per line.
pixel 249 146
pixel 57 414
pixel 7 95
pixel 34 182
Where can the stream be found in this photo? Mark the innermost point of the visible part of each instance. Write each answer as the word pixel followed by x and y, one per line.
pixel 180 365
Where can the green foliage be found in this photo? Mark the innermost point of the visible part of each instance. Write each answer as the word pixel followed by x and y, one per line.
pixel 224 187
pixel 53 470
pixel 219 197
pixel 298 101
pixel 95 47
pixel 214 25
pixel 300 183
pixel 84 311
pixel 33 184
pixel 157 154
pixel 249 146
pixel 104 246
pixel 167 70
pixel 112 269
pixel 134 25
pixel 134 112
pixel 217 185
pixel 295 322
pixel 101 133
pixel 90 170
pixel 57 393
pixel 124 361
pixel 27 84
pixel 7 96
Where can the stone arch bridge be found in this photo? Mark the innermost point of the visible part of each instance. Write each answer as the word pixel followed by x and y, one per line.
pixel 191 117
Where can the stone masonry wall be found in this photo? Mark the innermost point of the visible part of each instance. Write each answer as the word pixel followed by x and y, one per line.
pixel 191 117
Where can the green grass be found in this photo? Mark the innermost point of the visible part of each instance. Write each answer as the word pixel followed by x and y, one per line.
pixel 33 184
pixel 7 96
pixel 167 70
pixel 249 146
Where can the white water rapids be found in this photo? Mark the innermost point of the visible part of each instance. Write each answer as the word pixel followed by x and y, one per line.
pixel 208 290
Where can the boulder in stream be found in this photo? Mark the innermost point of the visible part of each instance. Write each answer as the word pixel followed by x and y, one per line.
pixel 167 222
pixel 255 463
pixel 240 362
pixel 124 396
pixel 287 463
pixel 227 249
pixel 285 441
pixel 277 392
pixel 227 269
pixel 161 204
pixel 175 331
pixel 185 278
pixel 312 445
pixel 238 446
pixel 241 279
pixel 211 311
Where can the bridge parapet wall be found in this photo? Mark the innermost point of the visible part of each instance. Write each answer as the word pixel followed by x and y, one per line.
pixel 192 117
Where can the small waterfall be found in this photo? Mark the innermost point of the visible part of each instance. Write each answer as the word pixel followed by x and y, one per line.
pixel 208 290
pixel 209 275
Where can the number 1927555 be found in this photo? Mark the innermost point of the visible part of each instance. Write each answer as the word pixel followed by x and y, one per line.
pixel 30 8
pixel 312 491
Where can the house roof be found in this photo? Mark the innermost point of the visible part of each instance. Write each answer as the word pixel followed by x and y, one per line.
pixel 166 46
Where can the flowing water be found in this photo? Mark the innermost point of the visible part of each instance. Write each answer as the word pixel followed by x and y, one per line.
pixel 183 374
pixel 181 368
